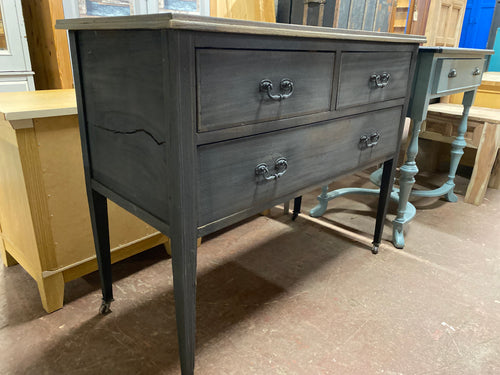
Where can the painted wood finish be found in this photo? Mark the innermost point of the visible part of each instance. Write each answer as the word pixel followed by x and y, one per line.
pixel 229 95
pixel 126 127
pixel 357 87
pixel 483 134
pixel 432 81
pixel 227 180
pixel 178 21
pixel 158 142
pixel 453 74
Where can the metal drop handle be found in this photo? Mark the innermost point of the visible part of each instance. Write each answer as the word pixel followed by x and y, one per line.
pixel 367 141
pixel 286 89
pixel 280 167
pixel 381 80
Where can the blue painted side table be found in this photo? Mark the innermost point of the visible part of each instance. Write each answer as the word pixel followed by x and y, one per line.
pixel 440 71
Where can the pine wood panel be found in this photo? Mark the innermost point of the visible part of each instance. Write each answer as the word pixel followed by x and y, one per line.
pixel 49 51
pixel 444 22
pixel 483 134
pixel 35 104
pixel 483 165
pixel 61 162
pixel 258 10
pixel 17 226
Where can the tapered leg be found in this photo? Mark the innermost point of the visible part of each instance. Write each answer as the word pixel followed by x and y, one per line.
pixel 458 144
pixel 406 182
pixel 51 290
pixel 184 250
pixel 99 218
pixel 383 203
pixel 297 202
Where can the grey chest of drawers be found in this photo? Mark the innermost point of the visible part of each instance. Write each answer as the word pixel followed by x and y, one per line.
pixel 195 123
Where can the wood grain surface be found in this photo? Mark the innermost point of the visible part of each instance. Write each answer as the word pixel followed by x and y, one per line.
pixel 126 127
pixel 213 24
pixel 227 181
pixel 228 88
pixel 356 69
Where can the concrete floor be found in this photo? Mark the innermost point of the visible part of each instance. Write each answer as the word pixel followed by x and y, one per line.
pixel 283 297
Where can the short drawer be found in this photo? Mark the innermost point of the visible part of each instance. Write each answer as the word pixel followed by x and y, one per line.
pixel 457 74
pixel 232 174
pixel 368 77
pixel 230 93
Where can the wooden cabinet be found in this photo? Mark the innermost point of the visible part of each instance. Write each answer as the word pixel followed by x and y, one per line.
pixel 15 66
pixel 44 215
pixel 158 141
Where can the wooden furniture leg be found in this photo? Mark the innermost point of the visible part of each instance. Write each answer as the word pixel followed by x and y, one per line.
pixel 184 250
pixel 98 206
pixel 383 202
pixel 495 172
pixel 485 158
pixel 286 207
pixel 320 208
pixel 406 182
pixel 51 290
pixel 457 146
pixel 168 247
pixel 297 203
pixel 7 259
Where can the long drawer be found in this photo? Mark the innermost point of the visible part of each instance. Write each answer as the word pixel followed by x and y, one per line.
pixel 231 89
pixel 238 174
pixel 369 77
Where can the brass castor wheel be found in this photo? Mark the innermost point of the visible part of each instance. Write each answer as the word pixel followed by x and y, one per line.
pixel 105 308
pixel 375 249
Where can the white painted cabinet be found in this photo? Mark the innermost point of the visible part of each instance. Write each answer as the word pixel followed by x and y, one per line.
pixel 15 65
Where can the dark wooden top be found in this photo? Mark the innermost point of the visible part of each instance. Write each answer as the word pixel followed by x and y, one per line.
pixel 213 24
pixel 458 51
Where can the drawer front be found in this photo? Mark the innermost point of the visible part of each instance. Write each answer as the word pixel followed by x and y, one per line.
pixel 228 182
pixel 454 74
pixel 229 86
pixel 368 77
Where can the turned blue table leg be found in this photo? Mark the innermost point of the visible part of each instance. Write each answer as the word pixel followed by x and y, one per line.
pixel 320 208
pixel 457 146
pixel 406 182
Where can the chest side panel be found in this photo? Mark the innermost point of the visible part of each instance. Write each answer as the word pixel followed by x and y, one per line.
pixel 122 85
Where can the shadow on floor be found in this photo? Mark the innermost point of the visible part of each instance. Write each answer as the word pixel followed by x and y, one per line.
pixel 142 339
